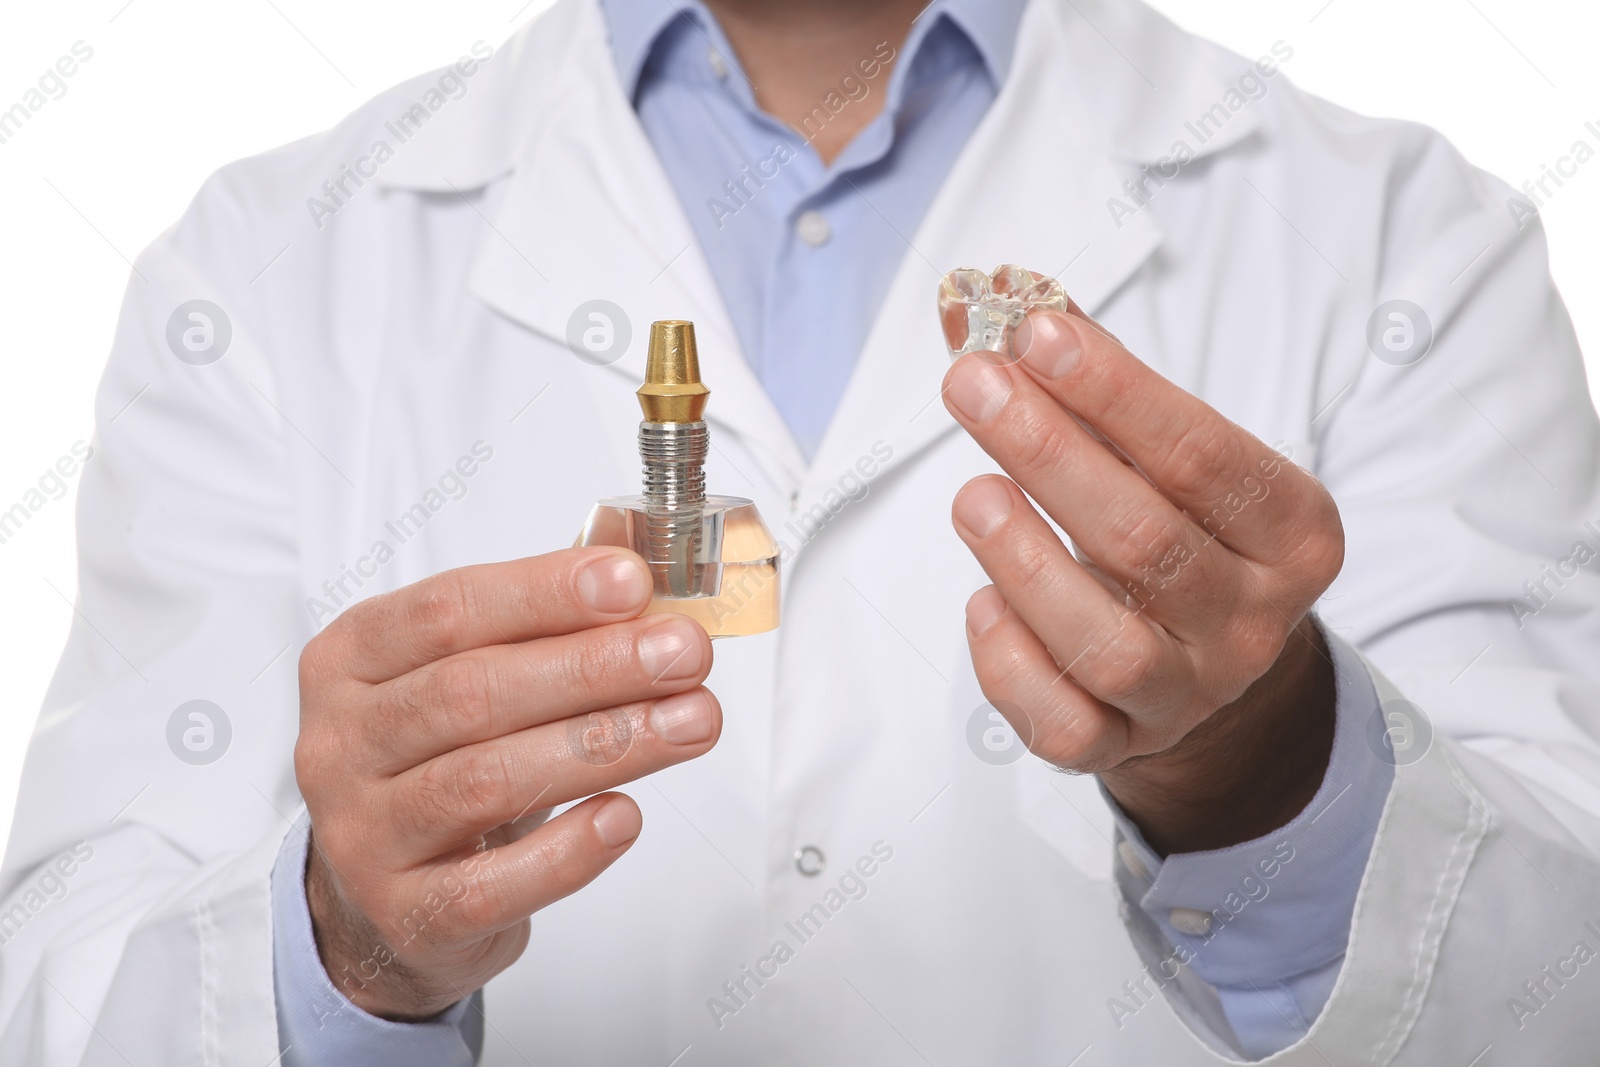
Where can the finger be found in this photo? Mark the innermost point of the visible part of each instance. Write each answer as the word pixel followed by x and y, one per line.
pixel 494 603
pixel 1111 652
pixel 1082 316
pixel 502 886
pixel 1111 512
pixel 466 793
pixel 499 689
pixel 1118 591
pixel 1232 483
pixel 1053 716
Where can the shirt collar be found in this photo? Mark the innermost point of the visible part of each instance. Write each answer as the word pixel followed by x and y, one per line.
pixel 992 26
pixel 636 26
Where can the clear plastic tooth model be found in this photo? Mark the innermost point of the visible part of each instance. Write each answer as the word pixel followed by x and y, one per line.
pixel 980 312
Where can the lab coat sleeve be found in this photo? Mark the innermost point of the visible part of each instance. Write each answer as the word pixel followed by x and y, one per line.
pixel 159 950
pixel 1466 475
pixel 1468 482
pixel 1264 923
pixel 318 1026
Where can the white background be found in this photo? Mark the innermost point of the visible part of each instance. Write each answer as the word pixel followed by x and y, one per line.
pixel 176 88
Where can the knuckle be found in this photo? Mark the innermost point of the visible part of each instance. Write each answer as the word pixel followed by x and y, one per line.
pixel 404 702
pixel 308 763
pixel 1198 457
pixel 452 697
pixel 429 805
pixel 459 793
pixel 1072 738
pixel 461 692
pixel 602 738
pixel 482 901
pixel 1038 444
pixel 542 859
pixel 437 615
pixel 482 781
pixel 566 871
pixel 326 758
pixel 316 660
pixel 324 663
pixel 601 655
pixel 1320 555
pixel 555 863
pixel 1061 725
pixel 451 890
pixel 1257 642
pixel 1055 727
pixel 1143 545
pixel 365 626
pixel 1125 669
pixel 1034 559
pixel 1005 673
pixel 1110 393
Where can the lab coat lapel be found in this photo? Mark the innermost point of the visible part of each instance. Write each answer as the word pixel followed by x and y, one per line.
pixel 589 215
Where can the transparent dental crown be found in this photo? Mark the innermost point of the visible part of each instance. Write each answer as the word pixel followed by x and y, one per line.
pixel 981 312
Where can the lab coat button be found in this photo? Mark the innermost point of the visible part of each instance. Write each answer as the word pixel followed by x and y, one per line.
pixel 810 861
pixel 1191 921
pixel 813 228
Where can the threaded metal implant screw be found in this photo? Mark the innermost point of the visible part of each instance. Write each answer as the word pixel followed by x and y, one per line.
pixel 674 455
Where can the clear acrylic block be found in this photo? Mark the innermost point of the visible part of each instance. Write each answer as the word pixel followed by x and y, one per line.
pixel 980 312
pixel 728 582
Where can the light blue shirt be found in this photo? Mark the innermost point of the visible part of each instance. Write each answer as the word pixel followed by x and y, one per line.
pixel 803 254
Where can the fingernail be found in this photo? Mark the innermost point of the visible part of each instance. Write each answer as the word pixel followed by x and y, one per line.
pixel 983 505
pixel 1022 337
pixel 1047 343
pixel 670 650
pixel 617 822
pixel 979 389
pixel 614 585
pixel 684 719
pixel 984 610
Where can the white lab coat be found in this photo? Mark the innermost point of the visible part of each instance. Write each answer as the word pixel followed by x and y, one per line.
pixel 430 314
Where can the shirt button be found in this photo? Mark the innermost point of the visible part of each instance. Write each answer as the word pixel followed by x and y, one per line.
pixel 813 228
pixel 1191 921
pixel 810 861
pixel 718 65
pixel 1131 860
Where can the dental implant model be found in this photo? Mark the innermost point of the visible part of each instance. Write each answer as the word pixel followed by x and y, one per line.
pixel 712 557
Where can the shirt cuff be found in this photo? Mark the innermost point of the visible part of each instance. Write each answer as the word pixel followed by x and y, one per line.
pixel 1265 923
pixel 318 1026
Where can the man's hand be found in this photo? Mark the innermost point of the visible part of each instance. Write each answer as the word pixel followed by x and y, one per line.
pixel 438 724
pixel 1174 655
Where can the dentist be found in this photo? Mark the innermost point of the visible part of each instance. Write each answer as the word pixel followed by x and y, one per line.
pixel 1265 542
